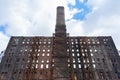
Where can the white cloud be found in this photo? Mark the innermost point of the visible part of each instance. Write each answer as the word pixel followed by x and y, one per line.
pixel 74 28
pixel 104 19
pixel 28 17
pixel 3 41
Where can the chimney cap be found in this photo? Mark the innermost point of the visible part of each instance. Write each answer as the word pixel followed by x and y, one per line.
pixel 60 7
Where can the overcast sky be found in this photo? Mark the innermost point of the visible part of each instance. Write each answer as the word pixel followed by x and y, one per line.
pixel 38 18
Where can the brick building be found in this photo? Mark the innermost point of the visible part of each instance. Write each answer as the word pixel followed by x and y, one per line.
pixel 60 57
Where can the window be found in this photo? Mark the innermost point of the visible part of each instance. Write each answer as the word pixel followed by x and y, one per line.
pixel 78 54
pixel 72 50
pixel 47 61
pixel 42 61
pixel 93 60
pixel 48 54
pixel 38 54
pixel 85 50
pixel 91 54
pixel 48 50
pixel 95 50
pixel 73 60
pixel 41 65
pixel 43 54
pixel 79 65
pixel 36 66
pixel 90 50
pixel 49 42
pixel 73 54
pixel 38 50
pixel 94 66
pixel 47 66
pixel 78 60
pixel 43 50
pixel 74 66
pixel 77 50
pixel 36 61
pixel 85 66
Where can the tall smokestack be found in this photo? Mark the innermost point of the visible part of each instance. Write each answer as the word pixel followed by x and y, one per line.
pixel 60 16
pixel 60 20
pixel 60 55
